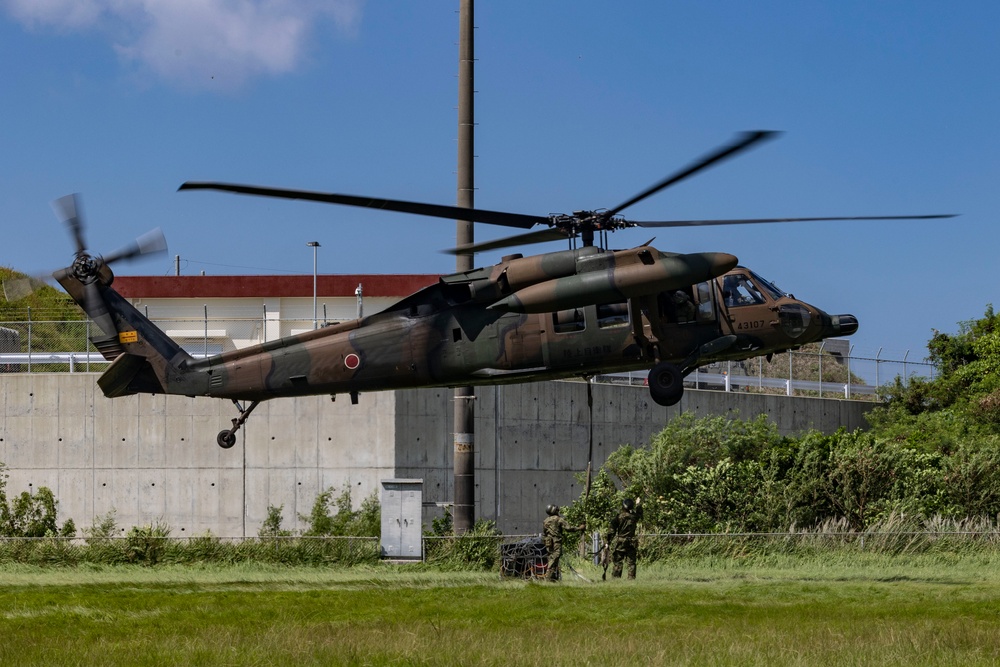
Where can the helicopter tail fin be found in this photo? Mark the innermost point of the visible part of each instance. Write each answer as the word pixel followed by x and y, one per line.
pixel 144 359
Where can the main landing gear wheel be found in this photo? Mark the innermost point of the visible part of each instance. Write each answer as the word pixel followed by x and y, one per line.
pixel 666 384
pixel 227 437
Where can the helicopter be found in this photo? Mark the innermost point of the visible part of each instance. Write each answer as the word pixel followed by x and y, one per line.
pixel 576 312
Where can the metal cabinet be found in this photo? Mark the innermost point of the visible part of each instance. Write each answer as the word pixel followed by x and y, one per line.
pixel 402 501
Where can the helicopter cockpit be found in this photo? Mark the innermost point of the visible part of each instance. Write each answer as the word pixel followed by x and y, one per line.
pixel 753 301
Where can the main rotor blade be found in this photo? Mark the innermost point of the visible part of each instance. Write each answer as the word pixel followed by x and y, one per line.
pixel 150 242
pixel 753 221
pixel 743 141
pixel 540 236
pixel 400 206
pixel 68 210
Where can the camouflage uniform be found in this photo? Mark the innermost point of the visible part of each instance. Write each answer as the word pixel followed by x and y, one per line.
pixel 552 530
pixel 624 539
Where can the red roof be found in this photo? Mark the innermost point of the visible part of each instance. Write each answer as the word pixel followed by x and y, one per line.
pixel 186 287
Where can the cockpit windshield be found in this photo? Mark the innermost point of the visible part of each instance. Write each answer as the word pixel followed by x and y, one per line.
pixel 772 290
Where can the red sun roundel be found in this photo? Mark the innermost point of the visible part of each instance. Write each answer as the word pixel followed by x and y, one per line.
pixel 352 361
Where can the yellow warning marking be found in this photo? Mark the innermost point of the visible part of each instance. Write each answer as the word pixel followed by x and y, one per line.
pixel 128 337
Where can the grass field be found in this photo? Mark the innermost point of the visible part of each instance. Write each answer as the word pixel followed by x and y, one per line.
pixel 846 609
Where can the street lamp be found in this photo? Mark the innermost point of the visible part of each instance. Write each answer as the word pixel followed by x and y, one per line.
pixel 314 245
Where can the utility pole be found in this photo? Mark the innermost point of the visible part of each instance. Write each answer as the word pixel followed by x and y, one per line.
pixel 464 510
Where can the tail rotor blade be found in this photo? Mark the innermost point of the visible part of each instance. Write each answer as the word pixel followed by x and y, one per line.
pixel 69 210
pixel 15 289
pixel 151 242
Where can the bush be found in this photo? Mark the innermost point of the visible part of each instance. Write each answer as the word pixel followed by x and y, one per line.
pixel 147 544
pixel 478 548
pixel 365 521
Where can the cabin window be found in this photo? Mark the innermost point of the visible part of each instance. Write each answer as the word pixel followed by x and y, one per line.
pixel 612 315
pixel 706 304
pixel 456 335
pixel 568 321
pixel 677 306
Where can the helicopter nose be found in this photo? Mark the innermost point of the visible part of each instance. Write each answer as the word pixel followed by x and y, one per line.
pixel 843 325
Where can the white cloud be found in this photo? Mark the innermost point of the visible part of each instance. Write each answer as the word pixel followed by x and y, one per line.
pixel 197 42
pixel 63 14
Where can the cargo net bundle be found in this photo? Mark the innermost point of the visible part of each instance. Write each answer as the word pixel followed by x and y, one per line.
pixel 525 559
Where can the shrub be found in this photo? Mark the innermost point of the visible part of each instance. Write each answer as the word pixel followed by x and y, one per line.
pixel 365 521
pixel 146 544
pixel 478 548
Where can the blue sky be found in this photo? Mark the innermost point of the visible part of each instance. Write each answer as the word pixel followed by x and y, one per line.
pixel 887 108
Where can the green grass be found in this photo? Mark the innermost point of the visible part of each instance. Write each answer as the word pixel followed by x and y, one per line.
pixel 839 609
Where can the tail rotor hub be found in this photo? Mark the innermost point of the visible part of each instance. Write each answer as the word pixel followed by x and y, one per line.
pixel 86 268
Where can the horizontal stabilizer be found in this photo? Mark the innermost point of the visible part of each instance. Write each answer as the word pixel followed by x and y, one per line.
pixel 129 374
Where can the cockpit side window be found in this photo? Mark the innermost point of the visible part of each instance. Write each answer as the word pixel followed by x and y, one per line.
pixel 739 290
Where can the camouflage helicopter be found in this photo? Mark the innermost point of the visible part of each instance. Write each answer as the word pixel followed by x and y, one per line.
pixel 574 312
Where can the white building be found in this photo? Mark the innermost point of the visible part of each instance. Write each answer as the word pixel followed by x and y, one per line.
pixel 212 314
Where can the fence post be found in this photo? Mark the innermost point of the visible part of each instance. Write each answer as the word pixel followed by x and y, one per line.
pixel 206 331
pixel 791 375
pixel 850 351
pixel 821 345
pixel 877 362
pixel 29 339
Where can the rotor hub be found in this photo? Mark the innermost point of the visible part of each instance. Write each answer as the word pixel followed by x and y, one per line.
pixel 86 268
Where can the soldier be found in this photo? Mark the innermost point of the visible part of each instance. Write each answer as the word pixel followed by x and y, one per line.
pixel 623 537
pixel 553 528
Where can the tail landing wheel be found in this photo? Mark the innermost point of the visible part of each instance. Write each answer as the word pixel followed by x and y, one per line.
pixel 666 383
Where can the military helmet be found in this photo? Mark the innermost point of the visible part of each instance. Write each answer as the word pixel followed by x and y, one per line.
pixel 552 510
pixel 628 504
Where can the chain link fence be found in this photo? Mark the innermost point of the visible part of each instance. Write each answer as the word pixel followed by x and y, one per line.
pixel 517 556
pixel 810 371
pixel 145 549
pixel 55 346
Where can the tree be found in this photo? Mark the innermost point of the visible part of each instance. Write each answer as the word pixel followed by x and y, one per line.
pixel 962 401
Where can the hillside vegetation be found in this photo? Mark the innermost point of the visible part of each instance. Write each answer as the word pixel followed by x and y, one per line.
pixel 21 293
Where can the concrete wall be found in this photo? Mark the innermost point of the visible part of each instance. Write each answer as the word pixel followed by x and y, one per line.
pixel 533 440
pixel 154 458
